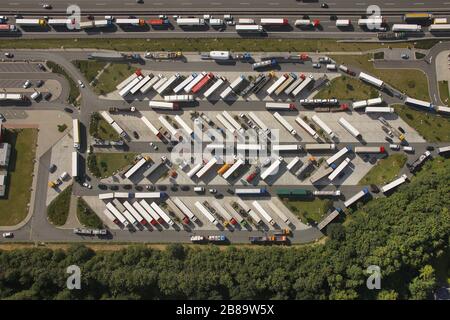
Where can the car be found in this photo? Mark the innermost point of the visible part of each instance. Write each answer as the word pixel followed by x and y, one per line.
pixel 68 110
pixel 2 117
pixel 324 5
pixel 333 17
pixel 18 16
pixel 305 17
pixel 139 188
pixel 87 185
pixel 150 187
pixel 212 191
pixel 139 1
pixel 47 96
pixel 52 168
pixel 163 16
pixel 185 188
pixel 154 146
pixel 127 186
pixel 430 148
pixel 8 235
pixel 388 140
pixel 47 6
pixel 39 83
pixel 8 55
pixel 266 162
pixel 174 188
pixel 102 186
pixel 41 67
pixel 113 187
pixel 401 130
pixel 135 135
pixel 81 84
pixel 316 65
pixel 90 17
pixel 27 84
pixel 341 175
pixel 230 191
pixel 374 188
pixel 405 56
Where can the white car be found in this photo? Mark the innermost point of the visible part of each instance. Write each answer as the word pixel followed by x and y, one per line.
pixel 8 235
pixel 2 117
pixel 80 83
pixel 212 191
pixel 46 6
pixel 154 146
pixel 8 55
pixel 87 185
pixel 316 65
pixel 27 84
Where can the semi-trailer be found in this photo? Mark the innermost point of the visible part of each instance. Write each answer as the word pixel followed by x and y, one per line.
pixel 323 126
pixel 135 214
pixel 150 195
pixel 263 213
pixel 397 27
pixel 351 129
pixel 185 82
pixel 161 213
pixel 141 83
pixel 308 81
pixel 106 196
pixel 31 22
pixel 443 150
pixel 126 90
pixel 388 187
pixel 326 193
pixel 122 85
pixel 122 195
pixel 339 169
pixel 215 22
pixel 167 85
pixel 195 169
pixel 151 211
pixel 304 168
pixel 356 197
pixel 290 79
pixel 338 155
pixel 202 82
pixel 277 83
pixel 280 213
pixel 370 149
pixel 439 27
pixel 333 215
pixel 295 84
pixel 250 191
pixel 244 28
pixel 246 21
pixel 418 103
pixel 8 28
pixel 413 167
pixel 443 109
pixel 232 87
pixel 130 21
pixel 163 105
pixel 233 122
pixel 321 173
pixel 285 147
pixel 123 221
pixel 285 123
pixel 173 132
pixel 264 64
pixel 258 122
pixel 319 146
pixel 139 164
pixel 379 110
pixel 373 23
pixel 261 84
pixel 272 169
pixel 190 22
pixel 307 23
pixel 160 82
pixel 75 165
pixel 274 22
pixel 293 193
pixel 374 101
pixel 359 104
pixel 225 123
pixel 149 85
pixel 214 87
pixel 184 209
pixel 224 213
pixel 371 80
pixel 292 163
pixel 111 217
pixel 239 162
pixel 206 167
pixel 194 81
pixel 179 98
pixel 343 23
pixel 206 213
pixel 184 126
pixel 307 127
pixel 76 134
pixel 155 166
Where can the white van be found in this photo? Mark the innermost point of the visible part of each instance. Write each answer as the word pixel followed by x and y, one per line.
pixel 199 189
pixel 408 149
pixel 394 147
pixel 35 95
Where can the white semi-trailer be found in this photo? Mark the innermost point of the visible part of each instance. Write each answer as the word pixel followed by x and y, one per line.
pixel 379 110
pixel 294 85
pixel 75 164
pixel 263 212
pixel 343 23
pixel 111 217
pixel 207 166
pixel 244 28
pixel 277 83
pixel 135 167
pixel 285 123
pixel 151 211
pixel 272 169
pixel 302 86
pixel 173 132
pixel 76 134
pixel 190 22
pixel 394 184
pixel 180 98
pixel 339 169
pixel 140 84
pixel 258 122
pixel 233 122
pixel 280 106
pixel 117 214
pixel 285 147
pixel 185 82
pixel 326 193
pixel 168 84
pixel 183 208
pixel 359 104
pixel 184 125
pixel 356 197
pixel 130 86
pixel 406 28
pixel 319 146
pixel 351 129
pixel 323 126
pixel 163 105
pixel 280 213
pixel 194 81
pixel 161 213
pixel 147 217
pixel 293 163
pixel 149 85
pixel 307 127
pixel 106 196
pixel 338 155
pixel 374 101
pixel 443 150
pixel 333 215
pixel 369 149
pixel 239 162
pixel 134 213
pixel 195 169
pixel 214 87
pixel 371 80
pixel 226 123
pixel 206 213
pixel 418 103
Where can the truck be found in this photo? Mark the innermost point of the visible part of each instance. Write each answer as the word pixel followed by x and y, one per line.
pixel 372 23
pixel 76 134
pixel 338 155
pixel 183 208
pixel 206 167
pixel 343 23
pixel 272 169
pixel 258 122
pixel 390 186
pixel 163 105
pixel 161 213
pixel 359 195
pixel 233 122
pixel 190 22
pixel 202 83
pixel 333 215
pixel 351 129
pixel 439 28
pixel 285 123
pixel 274 22
pixel 214 87
pixel 264 64
pixel 406 27
pixel 277 83
pixel 31 22
pixel 304 84
pixel 111 217
pixel 340 168
pixel 307 127
pixel 133 169
pixel 206 213
pixel 379 110
pixel 380 149
pixel 417 164
pixel 323 126
pixel 249 28
pixel 263 212
pixel 307 23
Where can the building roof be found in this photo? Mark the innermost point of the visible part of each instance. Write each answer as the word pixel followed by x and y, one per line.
pixel 5 151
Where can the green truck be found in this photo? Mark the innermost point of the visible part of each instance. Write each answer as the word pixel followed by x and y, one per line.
pixel 294 193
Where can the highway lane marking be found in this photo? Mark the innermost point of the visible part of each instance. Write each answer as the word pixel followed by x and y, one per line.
pixel 273 3
pixel 216 3
pixel 157 3
pixel 244 3
pixel 186 4
pixel 100 4
pixel 360 3
pixel 419 4
pixel 13 3
pixel 389 3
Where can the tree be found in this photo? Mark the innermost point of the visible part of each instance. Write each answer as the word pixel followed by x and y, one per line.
pixel 422 287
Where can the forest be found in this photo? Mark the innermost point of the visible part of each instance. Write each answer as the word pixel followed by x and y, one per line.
pixel 406 235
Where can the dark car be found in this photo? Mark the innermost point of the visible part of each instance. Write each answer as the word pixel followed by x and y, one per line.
pixel 374 188
pixel 113 187
pixel 401 129
pixel 102 186
pixel 135 135
pixel 174 188
pixel 41 66
pixel 90 17
pixel 389 140
pixel 162 188
pixel 430 148
pixel 306 17
pixel 68 110
pixel 150 187
pixel 127 186
pixel 185 188
pixel 39 83
pixel 230 191
pixel 47 96
pixel 139 188
pixel 52 168
pixel 333 17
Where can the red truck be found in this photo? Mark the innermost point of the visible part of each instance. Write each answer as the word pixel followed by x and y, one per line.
pixel 202 82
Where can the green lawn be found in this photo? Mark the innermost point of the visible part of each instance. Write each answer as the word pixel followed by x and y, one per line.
pixel 309 210
pixel 101 129
pixel 112 76
pixel 413 82
pixel 74 91
pixel 58 209
pixel 385 170
pixel 443 92
pixel 87 216
pixel 14 205
pixel 103 165
pixel 207 44
pixel 89 68
pixel 347 88
pixel 434 128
